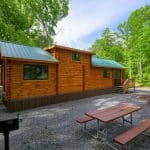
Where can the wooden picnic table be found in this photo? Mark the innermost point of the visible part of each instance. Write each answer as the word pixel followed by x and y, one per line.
pixel 107 115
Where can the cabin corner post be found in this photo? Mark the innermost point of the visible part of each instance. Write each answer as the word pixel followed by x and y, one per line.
pixel 57 79
pixel 7 82
pixel 123 78
pixel 83 80
pixel 113 81
pixel 5 77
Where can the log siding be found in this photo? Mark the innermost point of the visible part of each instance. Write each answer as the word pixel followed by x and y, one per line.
pixel 67 80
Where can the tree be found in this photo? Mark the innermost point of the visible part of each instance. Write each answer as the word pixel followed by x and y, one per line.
pixel 47 13
pixel 14 23
pixel 130 45
pixel 31 22
pixel 109 46
pixel 136 32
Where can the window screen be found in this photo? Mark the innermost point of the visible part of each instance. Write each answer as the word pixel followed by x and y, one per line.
pixel 106 73
pixel 35 72
pixel 75 56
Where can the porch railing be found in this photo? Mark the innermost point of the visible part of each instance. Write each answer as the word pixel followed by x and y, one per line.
pixel 128 83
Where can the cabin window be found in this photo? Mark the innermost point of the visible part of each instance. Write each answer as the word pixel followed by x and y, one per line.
pixel 75 56
pixel 106 73
pixel 35 72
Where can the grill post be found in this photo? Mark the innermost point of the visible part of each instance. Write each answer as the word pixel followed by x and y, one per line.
pixel 6 140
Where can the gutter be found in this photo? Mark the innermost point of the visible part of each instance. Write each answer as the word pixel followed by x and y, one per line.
pixel 30 60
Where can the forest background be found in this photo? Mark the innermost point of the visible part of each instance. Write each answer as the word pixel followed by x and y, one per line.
pixel 34 22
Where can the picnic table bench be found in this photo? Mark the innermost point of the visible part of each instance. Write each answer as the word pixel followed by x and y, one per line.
pixel 84 119
pixel 126 137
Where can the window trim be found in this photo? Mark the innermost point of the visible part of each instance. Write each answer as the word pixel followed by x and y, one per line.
pixel 32 64
pixel 73 57
pixel 108 73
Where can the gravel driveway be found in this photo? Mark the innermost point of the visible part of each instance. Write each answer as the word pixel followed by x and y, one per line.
pixel 54 127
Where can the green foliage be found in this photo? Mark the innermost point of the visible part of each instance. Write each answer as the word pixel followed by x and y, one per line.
pixel 14 24
pixel 130 45
pixel 136 31
pixel 146 79
pixel 31 22
pixel 109 46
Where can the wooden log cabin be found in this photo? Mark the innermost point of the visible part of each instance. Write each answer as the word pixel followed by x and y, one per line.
pixel 33 77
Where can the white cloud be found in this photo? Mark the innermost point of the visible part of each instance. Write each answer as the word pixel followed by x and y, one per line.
pixel 87 16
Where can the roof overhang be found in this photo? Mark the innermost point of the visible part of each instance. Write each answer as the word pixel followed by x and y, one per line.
pixel 95 66
pixel 30 60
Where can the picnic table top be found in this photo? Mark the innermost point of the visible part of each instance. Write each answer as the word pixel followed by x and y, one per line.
pixel 109 114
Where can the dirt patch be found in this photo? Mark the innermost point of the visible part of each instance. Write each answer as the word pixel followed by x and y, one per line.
pixel 141 96
pixel 145 97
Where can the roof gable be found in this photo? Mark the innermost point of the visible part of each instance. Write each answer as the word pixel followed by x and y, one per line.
pixel 60 47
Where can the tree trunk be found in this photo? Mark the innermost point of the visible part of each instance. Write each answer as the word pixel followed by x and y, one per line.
pixel 130 69
pixel 140 70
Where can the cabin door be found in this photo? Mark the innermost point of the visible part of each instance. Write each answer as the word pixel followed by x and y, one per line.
pixel 1 79
pixel 117 77
pixel 1 74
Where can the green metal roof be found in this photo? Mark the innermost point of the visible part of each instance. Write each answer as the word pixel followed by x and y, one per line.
pixel 106 63
pixel 12 50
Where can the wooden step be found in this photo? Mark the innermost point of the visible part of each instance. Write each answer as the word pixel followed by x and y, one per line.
pixel 118 89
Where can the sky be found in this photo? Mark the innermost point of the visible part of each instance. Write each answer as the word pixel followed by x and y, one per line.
pixel 87 19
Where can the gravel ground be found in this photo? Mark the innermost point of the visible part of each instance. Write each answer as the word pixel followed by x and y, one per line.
pixel 54 127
